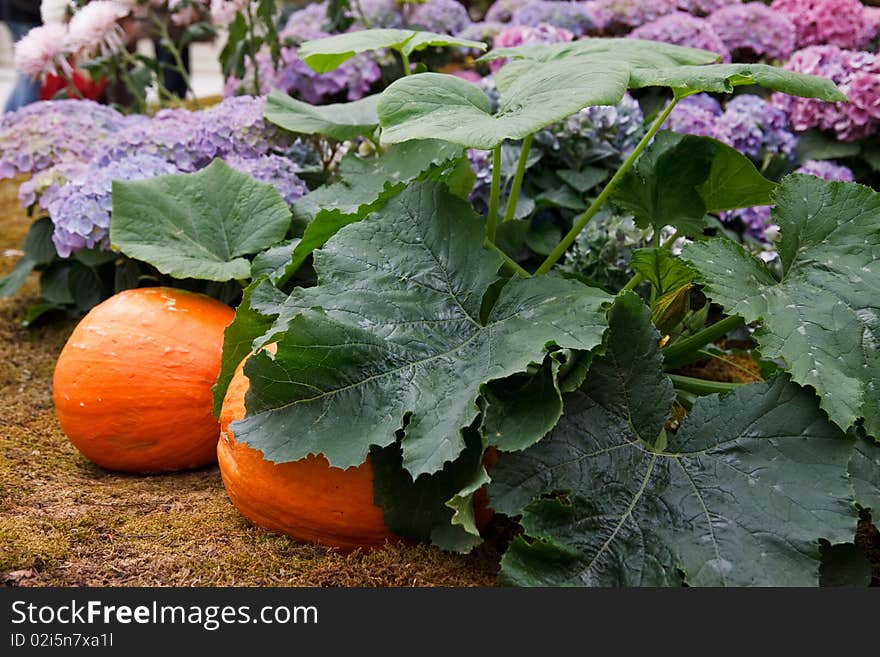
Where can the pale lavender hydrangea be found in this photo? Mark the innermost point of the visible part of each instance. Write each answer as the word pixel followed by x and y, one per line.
pixel 704 7
pixel 80 209
pixel 754 30
pixel 236 126
pixel 40 135
pixel 601 132
pixel 682 29
pixel 695 115
pixel 754 126
pixel 375 13
pixel 171 135
pixel 579 18
pixel 280 172
pixel 856 73
pixel 484 31
pixel 440 16
pixel 353 79
pixel 304 24
pixel 840 23
pixel 623 15
pixel 826 170
pixel 481 164
pixel 502 10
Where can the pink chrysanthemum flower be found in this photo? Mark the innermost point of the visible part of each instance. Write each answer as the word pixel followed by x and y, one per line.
pixel 41 52
pixel 95 28
pixel 840 23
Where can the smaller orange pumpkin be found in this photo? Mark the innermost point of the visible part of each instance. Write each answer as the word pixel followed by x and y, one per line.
pixel 132 386
pixel 308 499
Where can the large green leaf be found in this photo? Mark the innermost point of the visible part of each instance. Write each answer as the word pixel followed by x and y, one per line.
pixel 679 178
pixel 723 78
pixel 864 471
pixel 431 104
pixel 418 510
pixel 340 121
pixel 664 271
pixel 326 54
pixel 198 225
pixel 364 186
pixel 395 337
pixel 739 495
pixel 823 317
pixel 634 52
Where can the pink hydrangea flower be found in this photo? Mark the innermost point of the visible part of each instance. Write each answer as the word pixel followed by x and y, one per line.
pixel 755 28
pixel 833 22
pixel 41 52
pixel 95 28
pixel 856 73
pixel 522 35
pixel 704 7
pixel 621 15
pixel 682 29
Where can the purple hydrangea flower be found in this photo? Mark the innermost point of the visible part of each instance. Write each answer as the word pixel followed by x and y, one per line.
pixel 375 13
pixel 756 29
pixel 826 170
pixel 170 135
pixel 704 7
pixel 623 15
pixel 683 29
pixel 858 76
pixel 236 126
pixel 755 220
pixel 80 209
pixel 501 11
pixel 695 115
pixel 754 126
pixel 484 31
pixel 354 78
pixel 40 135
pixel 441 16
pixel 303 24
pixel 579 18
pixel 840 23
pixel 601 132
pixel 481 165
pixel 280 172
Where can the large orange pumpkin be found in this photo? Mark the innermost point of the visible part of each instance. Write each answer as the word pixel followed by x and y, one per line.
pixel 132 386
pixel 308 499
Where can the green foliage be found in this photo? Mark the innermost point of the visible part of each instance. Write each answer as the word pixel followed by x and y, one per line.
pixel 198 225
pixel 340 121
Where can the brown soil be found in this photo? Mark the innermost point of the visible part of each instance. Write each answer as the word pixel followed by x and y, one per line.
pixel 65 521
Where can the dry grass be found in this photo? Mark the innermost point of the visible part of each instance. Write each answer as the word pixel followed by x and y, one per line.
pixel 64 521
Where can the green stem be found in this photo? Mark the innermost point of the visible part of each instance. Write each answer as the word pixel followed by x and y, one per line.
pixel 688 350
pixel 509 265
pixel 494 194
pixel 518 178
pixel 179 66
pixel 590 212
pixel 701 386
pixel 251 50
pixel 405 59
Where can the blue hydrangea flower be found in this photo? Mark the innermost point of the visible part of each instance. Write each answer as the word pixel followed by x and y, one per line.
pixel 280 172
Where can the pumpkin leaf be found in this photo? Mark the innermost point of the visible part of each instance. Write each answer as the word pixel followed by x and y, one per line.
pixel 864 472
pixel 664 271
pixel 326 54
pixel 198 225
pixel 364 186
pixel 418 509
pixel 679 178
pixel 259 307
pixel 273 261
pixel 394 337
pixel 823 318
pixel 605 503
pixel 340 121
pixel 724 78
pixel 423 106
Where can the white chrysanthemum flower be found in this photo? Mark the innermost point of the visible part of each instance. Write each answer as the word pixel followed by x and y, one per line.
pixel 54 11
pixel 41 52
pixel 95 28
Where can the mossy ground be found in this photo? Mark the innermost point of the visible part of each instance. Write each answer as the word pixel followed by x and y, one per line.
pixel 65 521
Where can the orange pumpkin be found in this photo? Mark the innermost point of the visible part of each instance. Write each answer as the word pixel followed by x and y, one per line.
pixel 132 386
pixel 308 499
